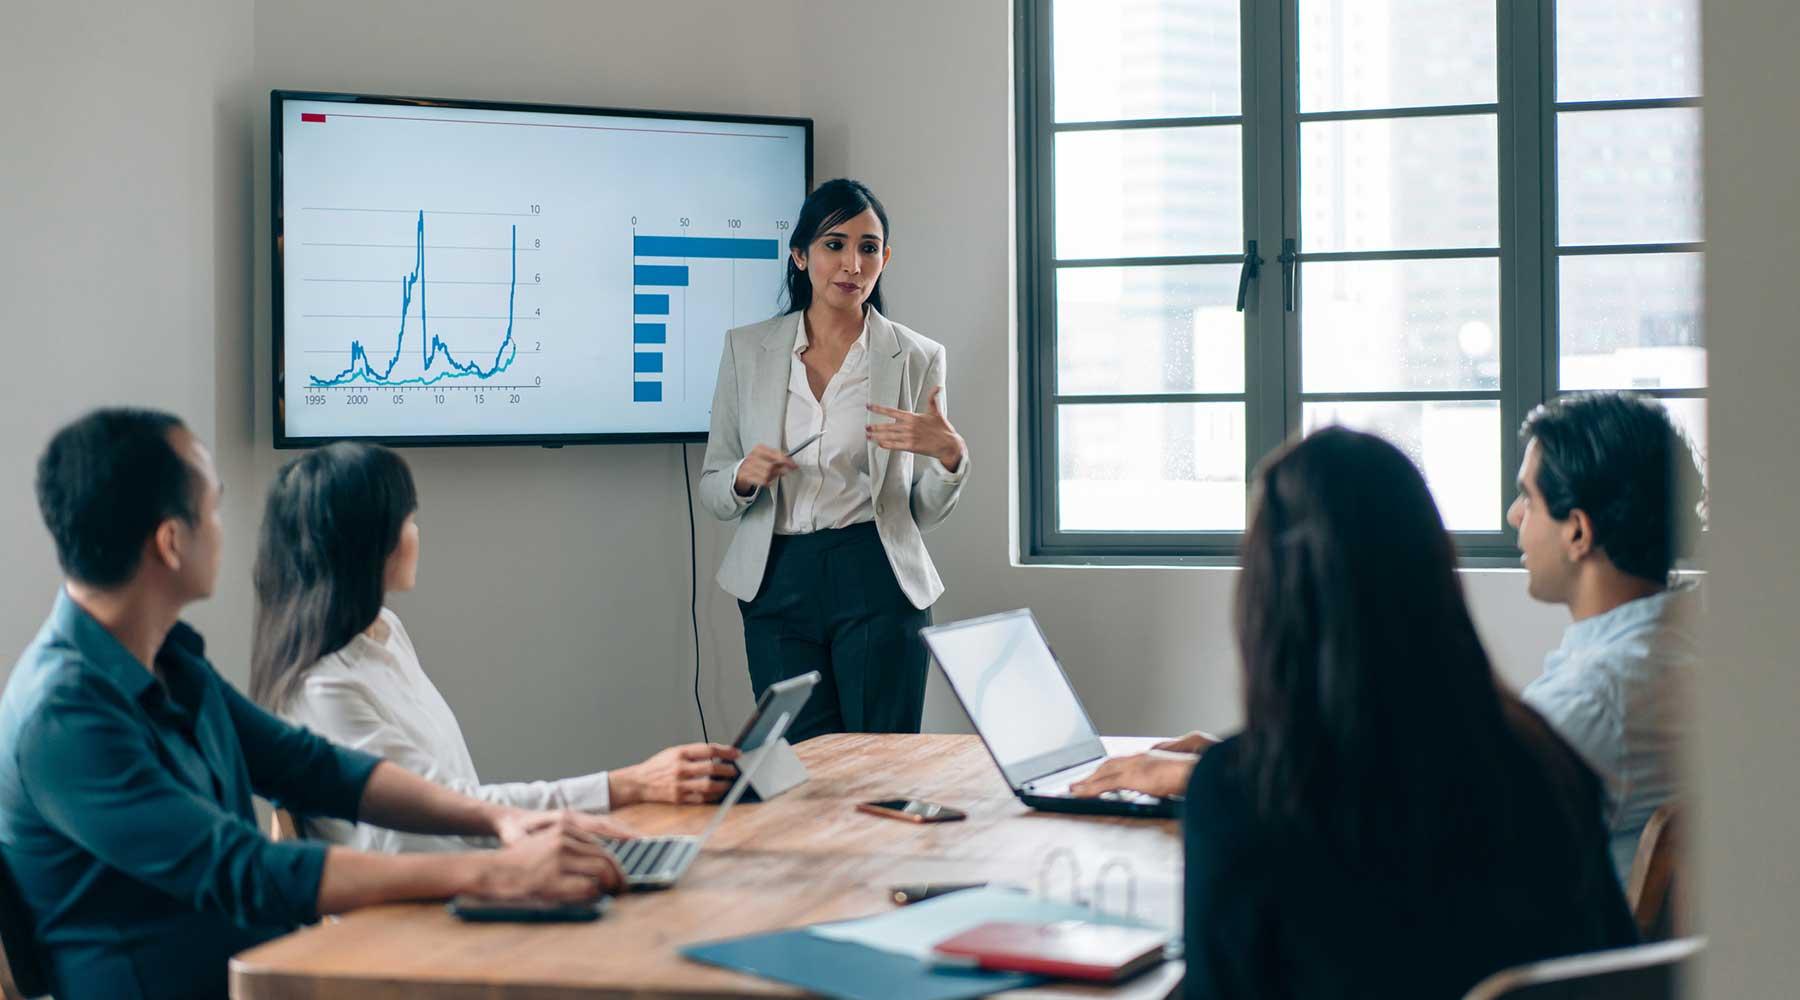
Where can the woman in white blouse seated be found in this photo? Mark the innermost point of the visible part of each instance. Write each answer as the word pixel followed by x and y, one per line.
pixel 338 534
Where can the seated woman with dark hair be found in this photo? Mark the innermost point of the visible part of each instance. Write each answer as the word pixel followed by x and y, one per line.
pixel 1390 822
pixel 339 534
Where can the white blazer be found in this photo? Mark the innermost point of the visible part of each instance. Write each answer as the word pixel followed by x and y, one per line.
pixel 750 408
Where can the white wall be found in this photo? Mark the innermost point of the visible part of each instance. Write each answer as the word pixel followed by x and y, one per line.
pixel 124 255
pixel 1749 695
pixel 553 599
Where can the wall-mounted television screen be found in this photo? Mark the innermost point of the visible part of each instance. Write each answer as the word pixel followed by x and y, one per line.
pixel 469 272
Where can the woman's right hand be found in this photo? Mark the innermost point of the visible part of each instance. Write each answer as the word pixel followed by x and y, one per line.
pixel 761 467
pixel 559 861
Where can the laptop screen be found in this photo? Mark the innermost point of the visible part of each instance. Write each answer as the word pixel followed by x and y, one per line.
pixel 1016 694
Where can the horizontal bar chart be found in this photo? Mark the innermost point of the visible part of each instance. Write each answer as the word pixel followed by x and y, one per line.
pixel 707 247
pixel 663 275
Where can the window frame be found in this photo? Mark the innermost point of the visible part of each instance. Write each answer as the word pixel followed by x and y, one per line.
pixel 1525 110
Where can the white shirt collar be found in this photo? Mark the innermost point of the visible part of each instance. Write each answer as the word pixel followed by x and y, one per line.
pixel 802 342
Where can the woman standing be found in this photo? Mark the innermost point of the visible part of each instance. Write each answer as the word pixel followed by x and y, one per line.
pixel 830 446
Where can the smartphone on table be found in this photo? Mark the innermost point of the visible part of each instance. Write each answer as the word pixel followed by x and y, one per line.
pixel 912 810
pixel 532 911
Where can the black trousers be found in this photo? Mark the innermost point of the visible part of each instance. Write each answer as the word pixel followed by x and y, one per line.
pixel 829 602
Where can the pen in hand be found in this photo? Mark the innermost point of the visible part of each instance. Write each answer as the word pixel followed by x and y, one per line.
pixel 795 450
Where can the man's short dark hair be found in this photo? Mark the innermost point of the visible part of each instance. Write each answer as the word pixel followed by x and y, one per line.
pixel 104 484
pixel 1618 457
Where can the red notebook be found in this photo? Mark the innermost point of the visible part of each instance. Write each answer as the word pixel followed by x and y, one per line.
pixel 1069 949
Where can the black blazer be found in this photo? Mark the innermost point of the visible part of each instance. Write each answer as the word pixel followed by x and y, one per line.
pixel 1270 913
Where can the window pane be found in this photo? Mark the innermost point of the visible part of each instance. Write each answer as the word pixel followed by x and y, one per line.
pixel 1621 50
pixel 1401 53
pixel 1631 321
pixel 1149 329
pixel 1628 176
pixel 1118 59
pixel 1149 192
pixel 1373 326
pixel 1151 467
pixel 1456 445
pixel 1400 184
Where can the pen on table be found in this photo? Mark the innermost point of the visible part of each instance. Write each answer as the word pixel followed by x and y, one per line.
pixel 919 892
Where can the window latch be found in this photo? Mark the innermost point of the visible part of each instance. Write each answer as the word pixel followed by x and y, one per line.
pixel 1289 258
pixel 1252 267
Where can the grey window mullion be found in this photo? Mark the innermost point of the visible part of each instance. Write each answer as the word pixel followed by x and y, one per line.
pixel 1690 392
pixel 1596 249
pixel 1177 260
pixel 1265 326
pixel 1548 347
pixel 1405 396
pixel 1117 398
pixel 1037 295
pixel 1456 253
pixel 1641 104
pixel 1521 59
pixel 1285 58
pixel 1388 114
pixel 1126 124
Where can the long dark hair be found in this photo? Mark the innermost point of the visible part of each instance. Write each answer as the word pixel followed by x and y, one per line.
pixel 1373 717
pixel 831 204
pixel 333 517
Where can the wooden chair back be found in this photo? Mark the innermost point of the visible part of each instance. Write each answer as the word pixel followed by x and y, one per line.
pixel 1651 887
pixel 282 826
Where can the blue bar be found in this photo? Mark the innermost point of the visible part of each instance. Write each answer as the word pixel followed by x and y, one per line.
pixel 646 362
pixel 651 305
pixel 717 248
pixel 672 275
pixel 646 392
pixel 650 333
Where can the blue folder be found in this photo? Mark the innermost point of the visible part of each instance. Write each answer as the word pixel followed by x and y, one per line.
pixel 851 971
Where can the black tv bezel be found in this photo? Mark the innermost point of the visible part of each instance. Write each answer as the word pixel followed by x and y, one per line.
pixel 283 440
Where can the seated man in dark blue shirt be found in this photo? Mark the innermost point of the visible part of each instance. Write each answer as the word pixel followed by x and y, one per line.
pixel 127 764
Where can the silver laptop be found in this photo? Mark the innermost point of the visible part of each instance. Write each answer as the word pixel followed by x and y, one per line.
pixel 1021 703
pixel 657 862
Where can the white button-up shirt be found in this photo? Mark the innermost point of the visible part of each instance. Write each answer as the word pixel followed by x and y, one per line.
pixel 831 488
pixel 373 696
pixel 1617 691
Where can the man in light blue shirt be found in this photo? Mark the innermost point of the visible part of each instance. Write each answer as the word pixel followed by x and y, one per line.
pixel 1608 496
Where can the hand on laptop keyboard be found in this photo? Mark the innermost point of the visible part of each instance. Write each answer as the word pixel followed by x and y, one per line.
pixel 1156 777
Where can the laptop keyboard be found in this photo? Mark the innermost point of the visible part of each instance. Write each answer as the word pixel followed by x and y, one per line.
pixel 646 856
pixel 1061 791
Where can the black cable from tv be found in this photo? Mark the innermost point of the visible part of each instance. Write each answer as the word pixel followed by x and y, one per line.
pixel 693 588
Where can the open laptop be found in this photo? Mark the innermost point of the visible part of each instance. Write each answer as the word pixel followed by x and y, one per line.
pixel 657 862
pixel 1022 705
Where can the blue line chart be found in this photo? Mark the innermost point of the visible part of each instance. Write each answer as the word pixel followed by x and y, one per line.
pixel 437 362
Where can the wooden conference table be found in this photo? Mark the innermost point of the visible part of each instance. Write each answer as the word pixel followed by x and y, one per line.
pixel 805 857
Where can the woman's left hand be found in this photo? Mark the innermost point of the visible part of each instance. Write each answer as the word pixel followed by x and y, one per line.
pixel 927 433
